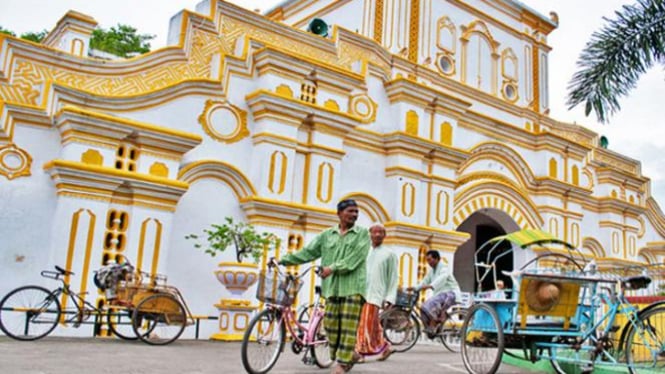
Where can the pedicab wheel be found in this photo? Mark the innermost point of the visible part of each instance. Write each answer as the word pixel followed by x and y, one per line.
pixel 29 313
pixel 482 340
pixel 450 336
pixel 263 342
pixel 119 321
pixel 159 319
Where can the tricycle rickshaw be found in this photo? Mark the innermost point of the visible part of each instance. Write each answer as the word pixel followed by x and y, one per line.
pixel 562 308
pixel 137 306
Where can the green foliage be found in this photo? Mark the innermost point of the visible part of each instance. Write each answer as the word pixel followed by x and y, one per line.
pixel 36 37
pixel 615 57
pixel 242 236
pixel 5 31
pixel 120 41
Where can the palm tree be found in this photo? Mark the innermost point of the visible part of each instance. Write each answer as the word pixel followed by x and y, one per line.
pixel 615 57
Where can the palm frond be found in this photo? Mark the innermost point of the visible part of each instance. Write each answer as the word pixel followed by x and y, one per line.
pixel 616 56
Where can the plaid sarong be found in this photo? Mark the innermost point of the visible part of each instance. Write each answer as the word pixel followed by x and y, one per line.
pixel 370 340
pixel 341 323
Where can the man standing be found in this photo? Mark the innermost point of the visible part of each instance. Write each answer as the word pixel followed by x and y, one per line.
pixel 382 281
pixel 343 252
pixel 445 291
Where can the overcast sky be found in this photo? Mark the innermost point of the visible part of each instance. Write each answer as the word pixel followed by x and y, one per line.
pixel 637 131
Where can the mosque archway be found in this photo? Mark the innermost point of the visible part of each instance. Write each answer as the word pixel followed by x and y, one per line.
pixel 483 225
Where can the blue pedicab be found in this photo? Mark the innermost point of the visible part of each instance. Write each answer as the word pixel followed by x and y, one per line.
pixel 561 308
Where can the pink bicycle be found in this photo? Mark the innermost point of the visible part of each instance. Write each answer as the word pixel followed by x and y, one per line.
pixel 265 336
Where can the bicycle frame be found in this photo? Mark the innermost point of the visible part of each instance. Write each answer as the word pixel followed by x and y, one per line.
pixel 295 328
pixel 618 305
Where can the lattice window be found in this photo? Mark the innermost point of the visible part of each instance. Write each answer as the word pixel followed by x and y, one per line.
pixel 126 157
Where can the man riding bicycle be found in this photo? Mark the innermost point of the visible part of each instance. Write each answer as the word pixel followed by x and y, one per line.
pixel 445 292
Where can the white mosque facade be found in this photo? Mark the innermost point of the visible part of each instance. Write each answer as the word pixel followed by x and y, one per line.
pixel 432 114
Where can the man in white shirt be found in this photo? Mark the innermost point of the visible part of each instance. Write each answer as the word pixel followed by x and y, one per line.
pixel 445 291
pixel 382 279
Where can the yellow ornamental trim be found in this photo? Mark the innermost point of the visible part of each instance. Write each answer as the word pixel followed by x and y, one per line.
pixel 158 169
pixel 224 121
pixel 14 162
pixel 363 107
pixel 92 157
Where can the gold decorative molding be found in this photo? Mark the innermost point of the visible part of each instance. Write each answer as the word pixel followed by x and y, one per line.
pixel 92 157
pixel 363 107
pixel 414 30
pixel 14 162
pixel 378 21
pixel 158 169
pixel 224 121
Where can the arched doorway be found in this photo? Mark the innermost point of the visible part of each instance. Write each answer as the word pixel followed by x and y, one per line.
pixel 483 225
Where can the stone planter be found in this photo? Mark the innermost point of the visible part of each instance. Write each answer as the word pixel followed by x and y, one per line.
pixel 235 309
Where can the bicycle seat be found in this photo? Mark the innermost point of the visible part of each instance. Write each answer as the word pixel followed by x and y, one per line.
pixel 63 271
pixel 636 282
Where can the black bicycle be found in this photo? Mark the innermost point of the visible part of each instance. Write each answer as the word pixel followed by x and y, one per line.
pixel 402 325
pixel 33 312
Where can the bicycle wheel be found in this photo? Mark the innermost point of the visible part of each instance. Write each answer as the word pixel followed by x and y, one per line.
pixel 482 340
pixel 159 319
pixel 450 333
pixel 400 328
pixel 320 349
pixel 119 321
pixel 29 313
pixel 263 342
pixel 645 344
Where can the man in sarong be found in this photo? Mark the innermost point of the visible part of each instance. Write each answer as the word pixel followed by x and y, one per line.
pixel 445 291
pixel 382 281
pixel 343 252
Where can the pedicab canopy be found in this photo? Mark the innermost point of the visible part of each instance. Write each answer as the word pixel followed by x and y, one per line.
pixel 528 237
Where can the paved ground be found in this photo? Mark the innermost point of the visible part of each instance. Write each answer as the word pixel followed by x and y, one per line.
pixel 112 356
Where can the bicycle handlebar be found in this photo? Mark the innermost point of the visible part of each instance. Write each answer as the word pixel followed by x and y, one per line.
pixel 273 263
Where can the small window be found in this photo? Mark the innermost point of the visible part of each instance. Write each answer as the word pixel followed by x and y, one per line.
pixel 510 91
pixel 446 64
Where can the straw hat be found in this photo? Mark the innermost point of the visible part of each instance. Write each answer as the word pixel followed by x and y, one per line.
pixel 542 296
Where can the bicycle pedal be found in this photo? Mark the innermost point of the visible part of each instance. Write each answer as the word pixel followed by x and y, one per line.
pixel 308 360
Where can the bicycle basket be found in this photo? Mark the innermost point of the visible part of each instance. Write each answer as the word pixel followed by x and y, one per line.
pixel 406 299
pixel 275 288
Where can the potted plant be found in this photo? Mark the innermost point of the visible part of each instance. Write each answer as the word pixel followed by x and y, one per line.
pixel 243 236
pixel 237 277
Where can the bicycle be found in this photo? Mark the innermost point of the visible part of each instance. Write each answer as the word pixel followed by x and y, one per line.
pixel 402 325
pixel 32 312
pixel 265 336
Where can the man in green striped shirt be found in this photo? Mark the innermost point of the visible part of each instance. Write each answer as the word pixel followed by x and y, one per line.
pixel 343 252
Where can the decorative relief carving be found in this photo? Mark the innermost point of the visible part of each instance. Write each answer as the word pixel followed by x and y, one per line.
pixel 224 121
pixel 364 107
pixel 92 157
pixel 158 169
pixel 14 162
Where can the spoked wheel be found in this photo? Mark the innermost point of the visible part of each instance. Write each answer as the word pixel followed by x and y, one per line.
pixel 263 342
pixel 119 321
pixel 29 313
pixel 400 328
pixel 159 319
pixel 320 350
pixel 645 344
pixel 482 340
pixel 450 333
